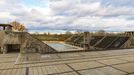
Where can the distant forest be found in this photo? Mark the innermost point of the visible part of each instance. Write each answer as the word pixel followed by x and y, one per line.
pixel 52 37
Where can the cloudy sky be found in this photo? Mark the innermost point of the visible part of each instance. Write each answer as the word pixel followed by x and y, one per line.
pixel 80 15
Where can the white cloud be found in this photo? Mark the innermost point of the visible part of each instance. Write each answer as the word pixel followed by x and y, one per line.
pixel 70 14
pixel 5 15
pixel 1 1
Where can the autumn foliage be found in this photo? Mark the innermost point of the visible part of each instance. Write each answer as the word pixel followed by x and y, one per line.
pixel 17 26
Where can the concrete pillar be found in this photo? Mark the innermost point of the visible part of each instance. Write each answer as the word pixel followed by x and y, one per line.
pixel 87 38
pixel 4 49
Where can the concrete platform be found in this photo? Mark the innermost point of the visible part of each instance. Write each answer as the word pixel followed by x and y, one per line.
pixel 63 47
pixel 112 62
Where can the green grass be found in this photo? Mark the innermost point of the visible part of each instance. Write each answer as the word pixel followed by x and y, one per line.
pixel 54 37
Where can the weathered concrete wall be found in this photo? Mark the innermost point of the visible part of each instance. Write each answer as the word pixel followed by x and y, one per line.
pixel 26 41
pixel 2 36
pixel 37 45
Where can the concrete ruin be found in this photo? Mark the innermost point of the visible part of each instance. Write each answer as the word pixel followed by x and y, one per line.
pixel 102 41
pixel 21 42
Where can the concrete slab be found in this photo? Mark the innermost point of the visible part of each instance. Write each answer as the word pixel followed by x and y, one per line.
pixel 4 60
pixel 4 66
pixel 85 65
pixel 69 55
pixel 55 69
pixel 21 71
pixel 83 62
pixel 63 47
pixel 128 67
pixel 48 56
pixel 9 55
pixel 90 53
pixel 102 71
pixel 29 57
pixel 111 61
pixel 69 73
pixel 128 58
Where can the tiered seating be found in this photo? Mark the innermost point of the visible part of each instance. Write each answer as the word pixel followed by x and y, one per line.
pixel 72 39
pixel 118 42
pixel 106 41
pixel 95 39
pixel 99 41
pixel 78 42
pixel 79 39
